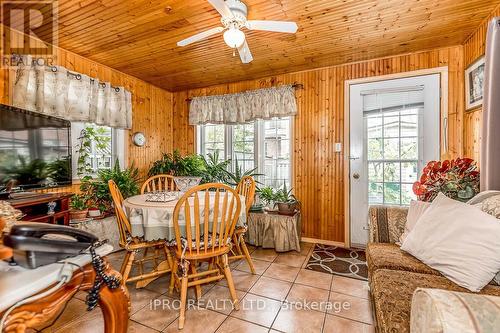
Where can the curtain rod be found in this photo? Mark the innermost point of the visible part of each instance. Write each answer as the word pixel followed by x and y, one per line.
pixel 295 85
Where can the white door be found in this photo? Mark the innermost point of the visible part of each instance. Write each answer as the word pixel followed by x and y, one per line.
pixel 394 131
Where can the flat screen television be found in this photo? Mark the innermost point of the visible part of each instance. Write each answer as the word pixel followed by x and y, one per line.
pixel 35 151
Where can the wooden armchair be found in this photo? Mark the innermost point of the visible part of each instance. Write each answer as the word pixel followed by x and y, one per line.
pixel 133 245
pixel 209 220
pixel 246 188
pixel 158 183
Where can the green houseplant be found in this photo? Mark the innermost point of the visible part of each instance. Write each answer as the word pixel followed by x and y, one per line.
pixel 188 171
pixel 287 202
pixel 215 170
pixel 176 165
pixel 266 195
pixel 97 189
pixel 78 205
pixel 233 178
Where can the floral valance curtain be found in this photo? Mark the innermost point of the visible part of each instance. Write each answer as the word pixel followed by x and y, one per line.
pixel 55 91
pixel 243 107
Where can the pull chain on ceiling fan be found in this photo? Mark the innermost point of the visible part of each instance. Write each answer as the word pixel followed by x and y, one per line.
pixel 234 18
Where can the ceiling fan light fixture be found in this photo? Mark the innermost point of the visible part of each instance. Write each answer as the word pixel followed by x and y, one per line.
pixel 234 37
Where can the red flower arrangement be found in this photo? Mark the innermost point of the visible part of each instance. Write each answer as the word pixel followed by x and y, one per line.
pixel 457 179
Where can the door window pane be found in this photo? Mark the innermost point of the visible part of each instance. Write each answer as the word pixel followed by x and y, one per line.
pixel 391 127
pixel 392 172
pixel 375 171
pixel 375 151
pixel 375 193
pixel 374 127
pixel 392 193
pixel 409 148
pixel 392 146
pixel 391 149
pixel 409 172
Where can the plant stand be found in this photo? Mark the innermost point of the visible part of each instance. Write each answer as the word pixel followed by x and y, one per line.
pixel 279 232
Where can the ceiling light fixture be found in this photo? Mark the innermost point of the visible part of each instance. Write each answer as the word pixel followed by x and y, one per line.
pixel 234 37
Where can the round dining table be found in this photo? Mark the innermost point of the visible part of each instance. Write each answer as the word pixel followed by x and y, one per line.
pixel 154 220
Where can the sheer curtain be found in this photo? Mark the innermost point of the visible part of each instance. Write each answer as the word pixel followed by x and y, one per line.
pixel 55 91
pixel 243 107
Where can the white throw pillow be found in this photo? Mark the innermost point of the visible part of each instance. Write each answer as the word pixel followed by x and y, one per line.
pixel 416 209
pixel 458 240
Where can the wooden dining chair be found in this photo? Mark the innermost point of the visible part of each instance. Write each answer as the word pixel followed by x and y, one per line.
pixel 246 188
pixel 209 216
pixel 158 183
pixel 133 245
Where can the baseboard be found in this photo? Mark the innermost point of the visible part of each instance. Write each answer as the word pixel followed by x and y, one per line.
pixel 322 241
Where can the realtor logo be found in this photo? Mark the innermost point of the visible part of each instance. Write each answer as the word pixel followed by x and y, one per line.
pixel 29 27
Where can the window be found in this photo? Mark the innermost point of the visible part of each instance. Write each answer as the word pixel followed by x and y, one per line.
pixel 394 151
pixel 244 145
pixel 103 153
pixel 276 142
pixel 263 144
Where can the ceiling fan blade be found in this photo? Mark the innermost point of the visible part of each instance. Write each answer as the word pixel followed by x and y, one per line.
pixel 221 7
pixel 276 26
pixel 200 36
pixel 245 54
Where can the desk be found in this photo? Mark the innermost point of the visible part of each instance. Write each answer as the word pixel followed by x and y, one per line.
pixel 279 232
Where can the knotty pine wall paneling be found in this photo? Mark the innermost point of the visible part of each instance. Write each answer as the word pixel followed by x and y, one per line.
pixel 474 48
pixel 318 172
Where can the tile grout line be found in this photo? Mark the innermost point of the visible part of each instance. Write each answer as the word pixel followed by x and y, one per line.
pixel 281 307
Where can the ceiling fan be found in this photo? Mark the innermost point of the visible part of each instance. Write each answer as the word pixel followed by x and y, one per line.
pixel 234 18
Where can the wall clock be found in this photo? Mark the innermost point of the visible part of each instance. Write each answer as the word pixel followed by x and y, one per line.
pixel 139 139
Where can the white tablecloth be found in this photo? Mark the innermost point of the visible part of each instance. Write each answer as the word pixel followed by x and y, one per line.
pixel 154 220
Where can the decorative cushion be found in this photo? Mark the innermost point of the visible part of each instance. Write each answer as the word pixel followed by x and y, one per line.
pixel 442 311
pixel 392 292
pixel 459 241
pixel 387 223
pixel 417 208
pixel 492 206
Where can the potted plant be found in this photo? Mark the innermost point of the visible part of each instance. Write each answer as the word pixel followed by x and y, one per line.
pixel 237 176
pixel 97 190
pixel 188 171
pixel 266 195
pixel 287 203
pixel 215 170
pixel 78 205
pixel 458 179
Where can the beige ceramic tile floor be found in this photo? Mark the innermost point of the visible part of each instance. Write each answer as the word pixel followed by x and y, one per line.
pixel 265 300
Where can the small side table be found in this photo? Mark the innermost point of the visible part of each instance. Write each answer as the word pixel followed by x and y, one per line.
pixel 280 232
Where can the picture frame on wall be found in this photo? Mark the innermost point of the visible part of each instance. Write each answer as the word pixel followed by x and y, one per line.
pixel 474 84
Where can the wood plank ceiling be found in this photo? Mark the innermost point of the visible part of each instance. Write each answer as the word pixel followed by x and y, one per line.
pixel 139 37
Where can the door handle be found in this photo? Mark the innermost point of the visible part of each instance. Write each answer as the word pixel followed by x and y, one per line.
pixel 355 175
pixel 353 158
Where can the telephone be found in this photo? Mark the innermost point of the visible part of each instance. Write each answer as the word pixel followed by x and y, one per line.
pixel 38 244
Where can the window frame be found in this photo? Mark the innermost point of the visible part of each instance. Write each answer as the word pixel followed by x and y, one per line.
pixel 259 142
pixel 118 148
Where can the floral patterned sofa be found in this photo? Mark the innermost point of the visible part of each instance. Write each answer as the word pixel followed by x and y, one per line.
pixel 394 275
